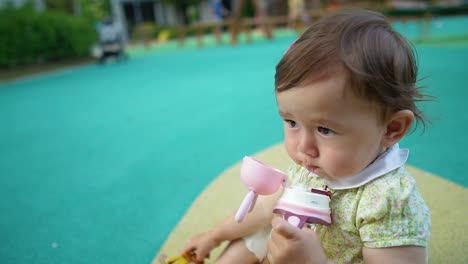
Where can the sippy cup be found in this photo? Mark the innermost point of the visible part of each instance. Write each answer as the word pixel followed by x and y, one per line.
pixel 259 179
pixel 298 205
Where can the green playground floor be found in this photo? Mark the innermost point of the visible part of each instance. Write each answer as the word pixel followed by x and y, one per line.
pixel 98 163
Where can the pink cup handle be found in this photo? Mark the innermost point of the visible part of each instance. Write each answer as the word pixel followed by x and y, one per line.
pixel 253 203
pixel 297 221
pixel 246 206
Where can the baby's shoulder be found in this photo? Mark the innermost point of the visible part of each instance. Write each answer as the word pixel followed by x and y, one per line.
pixel 393 202
pixel 394 192
pixel 395 183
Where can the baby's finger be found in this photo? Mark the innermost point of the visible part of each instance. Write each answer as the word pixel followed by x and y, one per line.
pixel 185 250
pixel 200 254
pixel 283 228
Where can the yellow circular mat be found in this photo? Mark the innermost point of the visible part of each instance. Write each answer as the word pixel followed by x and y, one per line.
pixel 447 201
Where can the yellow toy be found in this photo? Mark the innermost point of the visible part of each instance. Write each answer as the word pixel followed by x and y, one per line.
pixel 186 258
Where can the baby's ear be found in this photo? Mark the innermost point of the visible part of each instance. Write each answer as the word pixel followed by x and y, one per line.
pixel 396 127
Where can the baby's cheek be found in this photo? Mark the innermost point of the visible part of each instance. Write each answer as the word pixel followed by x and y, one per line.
pixel 291 149
pixel 341 164
pixel 294 156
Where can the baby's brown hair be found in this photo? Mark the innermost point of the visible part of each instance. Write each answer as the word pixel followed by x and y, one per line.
pixel 380 63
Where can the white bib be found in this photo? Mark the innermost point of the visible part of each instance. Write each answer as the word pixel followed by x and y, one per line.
pixel 391 159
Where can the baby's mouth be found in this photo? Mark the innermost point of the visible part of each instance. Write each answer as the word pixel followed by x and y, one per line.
pixel 311 168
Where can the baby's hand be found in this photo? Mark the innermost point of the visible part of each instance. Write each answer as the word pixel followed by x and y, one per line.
pixel 288 244
pixel 201 245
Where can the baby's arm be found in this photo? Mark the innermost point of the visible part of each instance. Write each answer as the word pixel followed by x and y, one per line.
pixel 229 229
pixel 395 255
pixel 291 245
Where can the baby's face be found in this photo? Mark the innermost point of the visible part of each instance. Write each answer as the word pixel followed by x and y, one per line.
pixel 329 130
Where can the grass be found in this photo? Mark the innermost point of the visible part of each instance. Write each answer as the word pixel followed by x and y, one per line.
pixel 191 44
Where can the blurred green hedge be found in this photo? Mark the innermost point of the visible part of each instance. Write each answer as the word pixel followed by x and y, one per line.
pixel 28 37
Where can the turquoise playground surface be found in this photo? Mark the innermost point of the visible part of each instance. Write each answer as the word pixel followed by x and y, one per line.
pixel 99 163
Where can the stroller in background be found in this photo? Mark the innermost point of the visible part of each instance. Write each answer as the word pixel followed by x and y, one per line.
pixel 110 41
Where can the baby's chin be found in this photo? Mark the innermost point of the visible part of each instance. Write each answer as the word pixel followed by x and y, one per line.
pixel 320 172
pixel 323 174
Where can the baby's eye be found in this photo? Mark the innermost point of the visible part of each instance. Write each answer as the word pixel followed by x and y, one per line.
pixel 325 131
pixel 291 123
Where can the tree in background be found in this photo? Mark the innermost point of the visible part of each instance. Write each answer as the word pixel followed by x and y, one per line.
pixel 183 7
pixel 91 10
pixel 63 29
